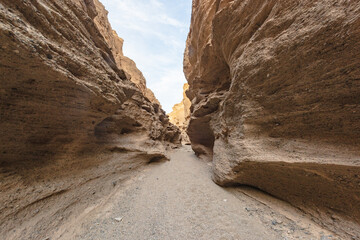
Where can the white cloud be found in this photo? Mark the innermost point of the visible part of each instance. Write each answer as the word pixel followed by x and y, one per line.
pixel 156 3
pixel 146 11
pixel 154 33
pixel 164 19
pixel 169 88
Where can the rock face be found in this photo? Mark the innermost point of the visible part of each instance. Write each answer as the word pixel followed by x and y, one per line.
pixel 275 92
pixel 72 123
pixel 116 45
pixel 180 115
pixel 138 78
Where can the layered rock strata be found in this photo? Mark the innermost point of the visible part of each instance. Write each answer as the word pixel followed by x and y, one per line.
pixel 275 93
pixel 73 124
pixel 180 115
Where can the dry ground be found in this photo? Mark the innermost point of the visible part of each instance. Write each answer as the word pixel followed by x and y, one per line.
pixel 178 200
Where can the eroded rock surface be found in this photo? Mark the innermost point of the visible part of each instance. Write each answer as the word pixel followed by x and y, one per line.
pixel 73 124
pixel 116 45
pixel 275 92
pixel 180 115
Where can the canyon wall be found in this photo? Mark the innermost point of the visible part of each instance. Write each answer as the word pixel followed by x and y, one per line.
pixel 76 116
pixel 275 93
pixel 116 45
pixel 180 115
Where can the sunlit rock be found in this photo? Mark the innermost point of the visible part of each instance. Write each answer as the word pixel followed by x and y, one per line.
pixel 180 115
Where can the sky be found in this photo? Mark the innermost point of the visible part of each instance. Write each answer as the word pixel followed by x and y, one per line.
pixel 154 33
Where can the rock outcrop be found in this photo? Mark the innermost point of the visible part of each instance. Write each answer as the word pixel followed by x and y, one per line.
pixel 116 45
pixel 73 124
pixel 138 78
pixel 180 115
pixel 275 92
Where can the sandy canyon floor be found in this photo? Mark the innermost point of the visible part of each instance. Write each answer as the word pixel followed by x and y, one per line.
pixel 178 200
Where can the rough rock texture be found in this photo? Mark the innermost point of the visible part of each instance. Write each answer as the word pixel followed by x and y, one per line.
pixel 275 92
pixel 116 45
pixel 72 123
pixel 180 115
pixel 138 78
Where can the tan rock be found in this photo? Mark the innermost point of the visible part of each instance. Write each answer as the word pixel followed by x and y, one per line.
pixel 72 123
pixel 180 115
pixel 276 100
pixel 116 45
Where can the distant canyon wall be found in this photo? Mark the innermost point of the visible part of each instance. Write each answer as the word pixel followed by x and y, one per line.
pixel 116 45
pixel 76 115
pixel 180 115
pixel 275 94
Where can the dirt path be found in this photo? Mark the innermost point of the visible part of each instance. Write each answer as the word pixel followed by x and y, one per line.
pixel 178 200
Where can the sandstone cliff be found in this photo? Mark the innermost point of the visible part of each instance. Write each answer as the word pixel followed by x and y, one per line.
pixel 116 45
pixel 180 115
pixel 72 123
pixel 275 95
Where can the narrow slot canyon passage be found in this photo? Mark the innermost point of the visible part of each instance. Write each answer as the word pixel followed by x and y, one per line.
pixel 178 200
pixel 188 120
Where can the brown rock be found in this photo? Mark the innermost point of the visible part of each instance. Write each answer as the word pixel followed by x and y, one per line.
pixel 180 115
pixel 138 78
pixel 275 95
pixel 71 119
pixel 116 45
